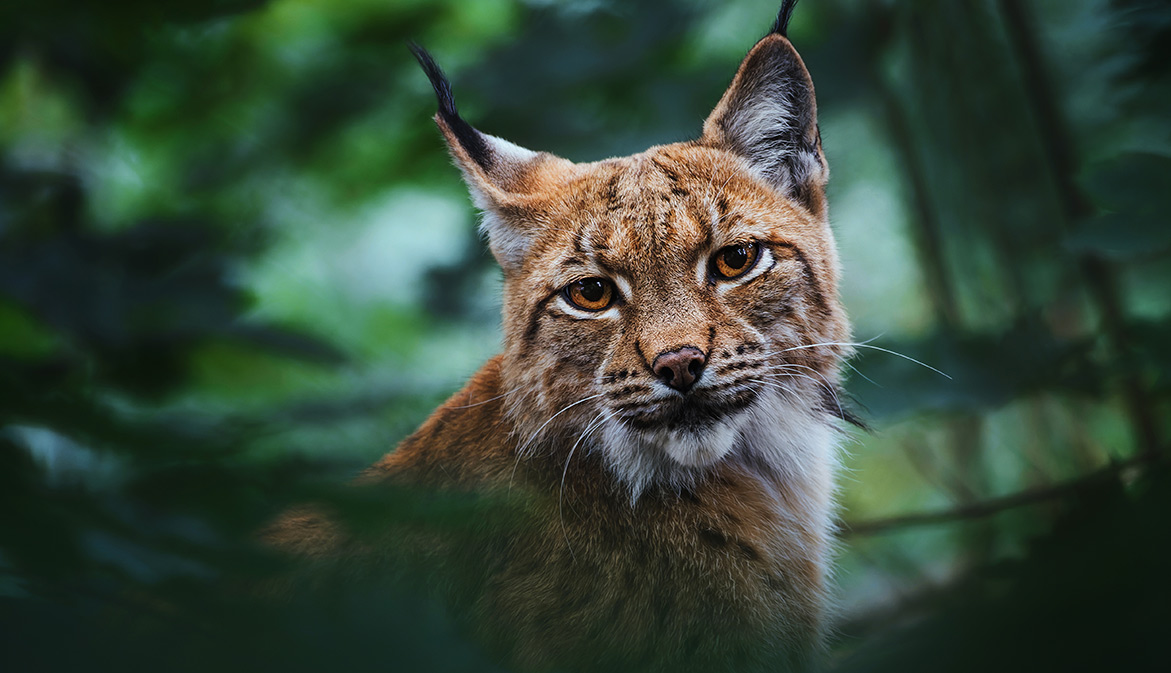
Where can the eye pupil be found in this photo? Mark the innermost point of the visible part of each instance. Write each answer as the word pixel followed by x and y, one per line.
pixel 735 260
pixel 736 257
pixel 592 290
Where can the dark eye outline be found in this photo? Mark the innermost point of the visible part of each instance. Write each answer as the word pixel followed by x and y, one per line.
pixel 611 293
pixel 753 248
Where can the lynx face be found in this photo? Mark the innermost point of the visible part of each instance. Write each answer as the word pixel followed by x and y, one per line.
pixel 676 308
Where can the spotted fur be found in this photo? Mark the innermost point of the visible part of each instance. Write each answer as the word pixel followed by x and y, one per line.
pixel 667 530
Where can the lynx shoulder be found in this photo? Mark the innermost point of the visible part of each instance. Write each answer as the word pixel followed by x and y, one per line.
pixel 665 403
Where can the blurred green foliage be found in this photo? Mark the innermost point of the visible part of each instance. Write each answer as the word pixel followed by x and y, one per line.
pixel 236 265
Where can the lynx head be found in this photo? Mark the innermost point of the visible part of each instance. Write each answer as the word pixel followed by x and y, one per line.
pixel 675 308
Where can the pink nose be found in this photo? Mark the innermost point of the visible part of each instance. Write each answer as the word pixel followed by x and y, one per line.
pixel 680 369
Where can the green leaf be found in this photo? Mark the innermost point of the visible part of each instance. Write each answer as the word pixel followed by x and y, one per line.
pixel 1122 235
pixel 1135 190
pixel 23 336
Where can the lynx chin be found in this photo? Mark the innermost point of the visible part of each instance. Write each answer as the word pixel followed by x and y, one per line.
pixel 665 407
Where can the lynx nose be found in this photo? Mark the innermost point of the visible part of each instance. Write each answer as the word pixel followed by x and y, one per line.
pixel 680 369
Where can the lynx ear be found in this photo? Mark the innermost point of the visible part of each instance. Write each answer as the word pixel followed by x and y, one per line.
pixel 769 116
pixel 503 178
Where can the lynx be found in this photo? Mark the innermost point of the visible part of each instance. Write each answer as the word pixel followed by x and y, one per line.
pixel 665 403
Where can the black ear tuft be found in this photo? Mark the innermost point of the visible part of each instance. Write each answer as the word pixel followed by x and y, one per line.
pixel 781 27
pixel 469 138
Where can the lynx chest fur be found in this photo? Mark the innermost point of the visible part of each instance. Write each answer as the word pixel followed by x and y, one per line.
pixel 665 404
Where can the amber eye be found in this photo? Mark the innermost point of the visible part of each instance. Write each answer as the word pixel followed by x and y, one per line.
pixel 591 294
pixel 735 260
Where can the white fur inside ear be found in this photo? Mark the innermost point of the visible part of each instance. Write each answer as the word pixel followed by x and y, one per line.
pixel 507 158
pixel 507 152
pixel 768 117
pixel 758 129
pixel 507 242
pixel 765 116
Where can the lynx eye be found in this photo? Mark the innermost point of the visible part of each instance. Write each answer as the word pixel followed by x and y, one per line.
pixel 590 294
pixel 735 260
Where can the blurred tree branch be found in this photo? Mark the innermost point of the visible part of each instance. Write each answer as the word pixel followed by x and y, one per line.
pixel 977 510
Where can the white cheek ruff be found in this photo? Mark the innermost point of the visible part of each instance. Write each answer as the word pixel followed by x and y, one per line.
pixel 793 441
pixel 699 449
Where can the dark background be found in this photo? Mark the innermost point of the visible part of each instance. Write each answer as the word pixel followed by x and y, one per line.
pixel 236 265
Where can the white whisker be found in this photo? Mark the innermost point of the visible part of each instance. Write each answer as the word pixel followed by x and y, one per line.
pixel 520 452
pixel 595 422
pixel 859 373
pixel 782 365
pixel 865 345
pixel 790 365
pixel 830 389
pixel 792 395
pixel 546 423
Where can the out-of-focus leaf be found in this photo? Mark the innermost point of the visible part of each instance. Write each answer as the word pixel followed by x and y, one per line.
pixel 1137 182
pixel 1135 189
pixel 286 342
pixel 1149 25
pixel 1152 341
pixel 1122 235
pixel 21 335
pixel 986 371
pixel 139 301
pixel 1092 595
